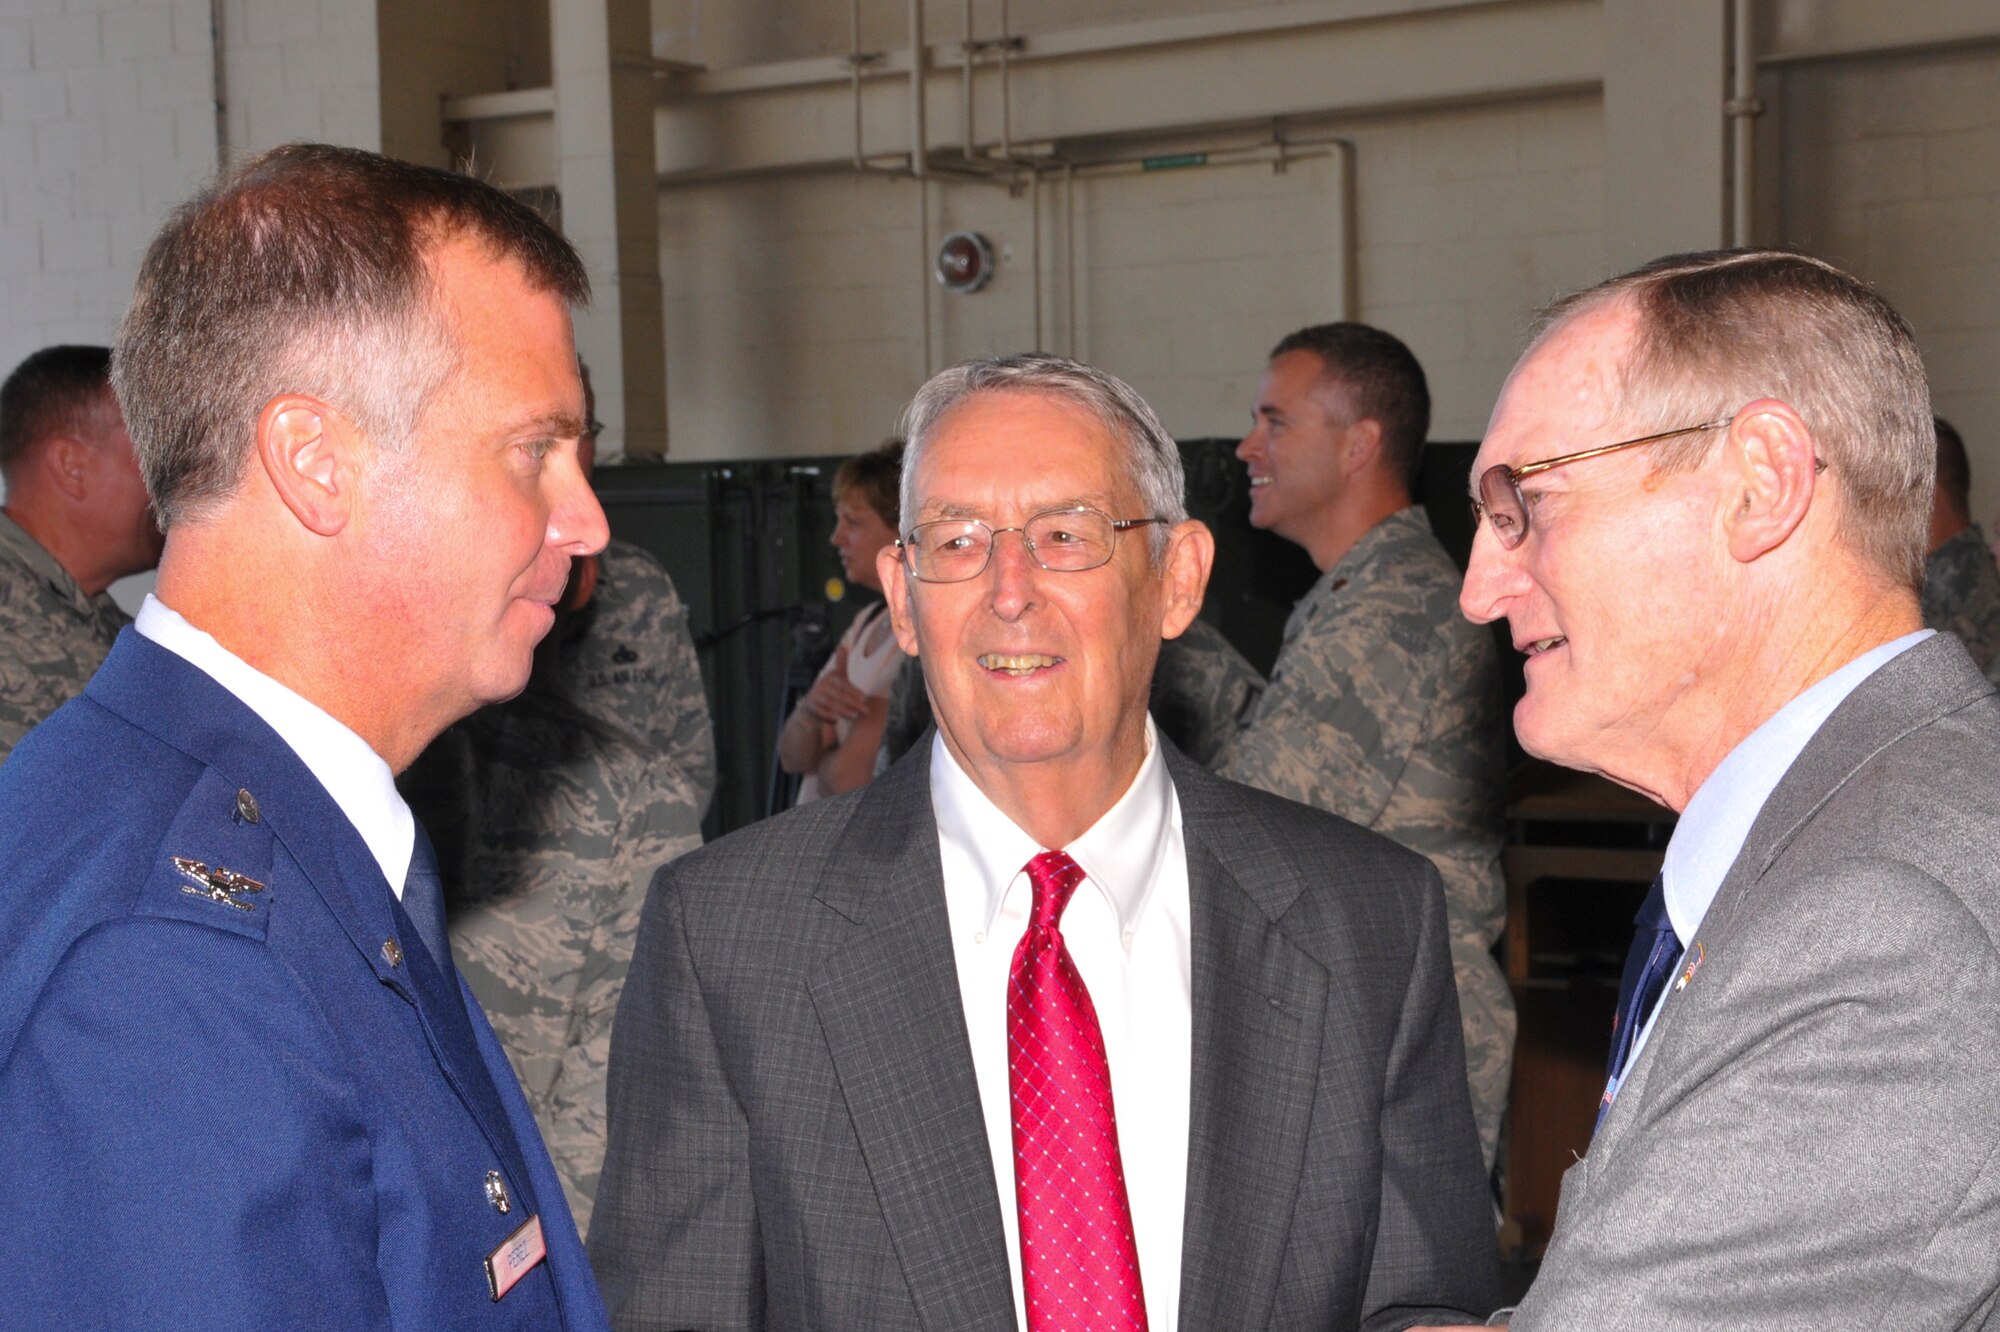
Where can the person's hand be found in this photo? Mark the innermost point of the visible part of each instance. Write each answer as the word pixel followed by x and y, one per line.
pixel 833 697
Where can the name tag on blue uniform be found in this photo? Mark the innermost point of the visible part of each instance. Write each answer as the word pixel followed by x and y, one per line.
pixel 516 1257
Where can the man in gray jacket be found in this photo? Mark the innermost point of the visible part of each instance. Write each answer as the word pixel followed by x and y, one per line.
pixel 1705 495
pixel 1047 1027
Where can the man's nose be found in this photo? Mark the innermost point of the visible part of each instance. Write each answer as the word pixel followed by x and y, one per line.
pixel 1013 570
pixel 1492 578
pixel 576 520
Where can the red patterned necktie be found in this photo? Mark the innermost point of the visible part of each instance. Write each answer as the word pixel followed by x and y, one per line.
pixel 1079 1262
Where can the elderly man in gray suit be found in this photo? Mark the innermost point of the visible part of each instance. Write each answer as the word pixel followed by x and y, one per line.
pixel 1047 1027
pixel 1706 491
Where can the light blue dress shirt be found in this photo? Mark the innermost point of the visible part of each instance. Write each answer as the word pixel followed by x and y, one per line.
pixel 1719 817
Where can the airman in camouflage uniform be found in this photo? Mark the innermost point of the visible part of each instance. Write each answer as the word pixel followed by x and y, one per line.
pixel 628 659
pixel 1384 704
pixel 77 519
pixel 549 825
pixel 1384 707
pixel 1203 689
pixel 1962 595
pixel 1961 582
pixel 52 637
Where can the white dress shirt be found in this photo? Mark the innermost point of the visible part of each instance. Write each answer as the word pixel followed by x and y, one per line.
pixel 1127 931
pixel 352 773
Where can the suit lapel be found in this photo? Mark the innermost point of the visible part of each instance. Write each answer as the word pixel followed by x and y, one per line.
pixel 159 692
pixel 888 1002
pixel 1911 691
pixel 1259 1005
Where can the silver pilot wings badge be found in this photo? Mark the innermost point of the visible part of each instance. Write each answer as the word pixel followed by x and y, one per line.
pixel 217 885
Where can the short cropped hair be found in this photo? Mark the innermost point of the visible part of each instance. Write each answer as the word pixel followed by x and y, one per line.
pixel 876 479
pixel 1153 458
pixel 306 272
pixel 1954 469
pixel 1384 383
pixel 62 390
pixel 1721 328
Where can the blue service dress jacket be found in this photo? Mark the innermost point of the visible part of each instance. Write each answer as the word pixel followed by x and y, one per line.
pixel 245 1099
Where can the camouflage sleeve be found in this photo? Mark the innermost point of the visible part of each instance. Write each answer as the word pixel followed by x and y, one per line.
pixel 1332 729
pixel 1962 596
pixel 1203 689
pixel 48 650
pixel 660 822
pixel 633 665
pixel 1384 709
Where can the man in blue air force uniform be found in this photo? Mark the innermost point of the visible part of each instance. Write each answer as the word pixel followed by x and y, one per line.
pixel 242 1084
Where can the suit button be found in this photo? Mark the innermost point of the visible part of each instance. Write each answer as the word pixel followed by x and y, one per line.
pixel 392 952
pixel 496 1193
pixel 246 807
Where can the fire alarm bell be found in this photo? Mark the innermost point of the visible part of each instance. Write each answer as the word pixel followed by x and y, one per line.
pixel 964 261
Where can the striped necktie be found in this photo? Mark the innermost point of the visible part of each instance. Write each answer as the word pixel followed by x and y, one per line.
pixel 1656 951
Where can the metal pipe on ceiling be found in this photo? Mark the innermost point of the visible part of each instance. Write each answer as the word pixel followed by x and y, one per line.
pixel 1743 108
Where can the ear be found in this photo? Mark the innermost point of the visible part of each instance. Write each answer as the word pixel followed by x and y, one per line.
pixel 1772 470
pixel 1190 556
pixel 308 452
pixel 896 585
pixel 66 462
pixel 1361 444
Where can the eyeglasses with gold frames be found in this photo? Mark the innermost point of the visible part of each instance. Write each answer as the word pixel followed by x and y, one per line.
pixel 1503 506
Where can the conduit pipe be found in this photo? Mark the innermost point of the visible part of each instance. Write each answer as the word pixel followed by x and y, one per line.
pixel 966 49
pixel 1743 108
pixel 1006 93
pixel 920 155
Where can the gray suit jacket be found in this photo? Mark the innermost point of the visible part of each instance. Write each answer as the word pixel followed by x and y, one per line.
pixel 1810 1137
pixel 796 1139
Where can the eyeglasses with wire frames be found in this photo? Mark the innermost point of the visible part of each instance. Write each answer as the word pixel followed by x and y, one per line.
pixel 954 550
pixel 1503 506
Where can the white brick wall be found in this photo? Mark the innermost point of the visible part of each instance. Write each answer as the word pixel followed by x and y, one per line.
pixel 1469 222
pixel 792 311
pixel 1892 169
pixel 91 149
pixel 107 120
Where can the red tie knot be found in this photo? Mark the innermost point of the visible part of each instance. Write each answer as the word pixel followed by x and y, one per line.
pixel 1055 877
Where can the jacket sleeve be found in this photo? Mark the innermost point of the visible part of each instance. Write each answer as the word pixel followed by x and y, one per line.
pixel 182 1150
pixel 674 1237
pixel 1435 1256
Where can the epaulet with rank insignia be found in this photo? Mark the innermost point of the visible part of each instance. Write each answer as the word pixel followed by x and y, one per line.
pixel 214 864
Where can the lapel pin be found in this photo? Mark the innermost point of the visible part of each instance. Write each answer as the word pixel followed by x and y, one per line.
pixel 1694 965
pixel 496 1193
pixel 217 885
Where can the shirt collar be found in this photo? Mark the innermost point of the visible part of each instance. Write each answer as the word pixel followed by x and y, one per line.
pixel 1120 854
pixel 352 773
pixel 1718 818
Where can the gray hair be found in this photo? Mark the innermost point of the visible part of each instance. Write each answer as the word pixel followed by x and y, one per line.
pixel 1722 328
pixel 307 271
pixel 1153 457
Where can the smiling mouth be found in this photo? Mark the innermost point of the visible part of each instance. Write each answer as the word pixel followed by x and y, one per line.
pixel 1257 481
pixel 1025 663
pixel 1540 645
